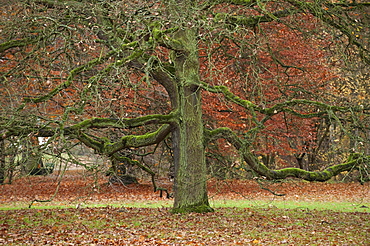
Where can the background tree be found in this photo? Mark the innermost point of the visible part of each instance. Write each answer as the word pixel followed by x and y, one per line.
pixel 75 71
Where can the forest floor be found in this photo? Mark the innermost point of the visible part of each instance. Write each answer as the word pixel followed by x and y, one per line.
pixel 87 210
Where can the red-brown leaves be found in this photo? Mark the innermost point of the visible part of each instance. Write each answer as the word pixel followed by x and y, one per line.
pixel 157 226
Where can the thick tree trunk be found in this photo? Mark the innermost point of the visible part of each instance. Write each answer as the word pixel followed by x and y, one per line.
pixel 189 156
pixel 190 167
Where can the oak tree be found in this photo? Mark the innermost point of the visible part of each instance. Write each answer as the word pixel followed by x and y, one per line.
pixel 123 75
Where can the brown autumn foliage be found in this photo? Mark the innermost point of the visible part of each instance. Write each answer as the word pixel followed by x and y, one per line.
pixel 123 225
pixel 81 186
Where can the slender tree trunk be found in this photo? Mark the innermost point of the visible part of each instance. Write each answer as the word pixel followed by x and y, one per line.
pixel 2 161
pixel 189 156
pixel 32 158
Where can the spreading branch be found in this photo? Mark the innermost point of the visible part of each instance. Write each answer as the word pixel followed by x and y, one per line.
pixel 261 169
pixel 330 16
pixel 283 106
pixel 104 146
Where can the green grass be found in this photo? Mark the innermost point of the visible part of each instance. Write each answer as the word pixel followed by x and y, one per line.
pixel 248 224
pixel 53 205
pixel 300 205
pixel 303 205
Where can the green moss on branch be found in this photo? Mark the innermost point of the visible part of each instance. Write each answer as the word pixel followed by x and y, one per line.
pixel 97 122
pixel 253 20
pixel 321 176
pixel 222 132
pixel 285 106
pixel 104 146
pixel 17 43
pixel 137 140
pixel 240 2
pixel 85 67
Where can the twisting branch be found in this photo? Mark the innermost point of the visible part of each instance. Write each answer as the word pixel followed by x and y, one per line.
pixel 144 168
pixel 19 43
pixel 280 107
pixel 329 16
pixel 263 170
pixel 321 176
pixel 84 68
pixel 223 132
pixel 97 122
pixel 104 146
pixel 252 21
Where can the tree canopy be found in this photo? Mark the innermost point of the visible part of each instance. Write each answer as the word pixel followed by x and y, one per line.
pixel 262 77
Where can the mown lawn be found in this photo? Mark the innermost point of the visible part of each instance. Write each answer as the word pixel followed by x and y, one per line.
pixel 157 226
pixel 87 211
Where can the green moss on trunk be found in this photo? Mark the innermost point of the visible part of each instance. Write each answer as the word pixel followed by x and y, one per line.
pixel 190 187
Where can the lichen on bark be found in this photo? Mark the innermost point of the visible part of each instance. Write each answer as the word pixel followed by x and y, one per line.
pixel 190 184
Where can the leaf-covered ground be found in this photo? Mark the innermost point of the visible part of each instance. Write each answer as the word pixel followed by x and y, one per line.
pixel 226 226
pixel 123 224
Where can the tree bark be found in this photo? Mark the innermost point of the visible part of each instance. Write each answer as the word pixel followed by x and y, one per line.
pixel 2 161
pixel 190 183
pixel 32 158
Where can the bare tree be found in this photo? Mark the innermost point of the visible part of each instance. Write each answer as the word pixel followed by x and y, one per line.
pixel 72 70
